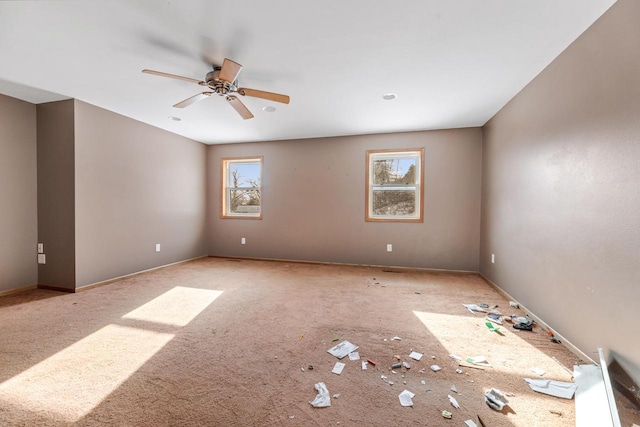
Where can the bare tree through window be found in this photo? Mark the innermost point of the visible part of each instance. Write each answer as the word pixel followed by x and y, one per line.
pixel 242 187
pixel 394 183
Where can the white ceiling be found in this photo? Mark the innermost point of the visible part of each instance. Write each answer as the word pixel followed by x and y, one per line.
pixel 452 63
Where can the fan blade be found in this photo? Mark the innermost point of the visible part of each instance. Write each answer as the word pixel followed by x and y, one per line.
pixel 230 70
pixel 172 76
pixel 264 95
pixel 239 107
pixel 191 100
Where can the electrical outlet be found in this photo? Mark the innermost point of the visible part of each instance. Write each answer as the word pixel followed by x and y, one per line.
pixel 243 241
pixel 40 248
pixel 157 247
pixel 493 258
pixel 389 247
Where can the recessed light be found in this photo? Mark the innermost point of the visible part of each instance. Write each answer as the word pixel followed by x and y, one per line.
pixel 269 109
pixel 389 96
pixel 175 119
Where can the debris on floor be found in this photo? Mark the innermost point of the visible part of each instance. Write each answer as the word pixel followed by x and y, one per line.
pixel 447 414
pixel 415 355
pixel 494 317
pixel 473 308
pixel 337 369
pixel 354 355
pixel 435 368
pixel 523 323
pixel 322 399
pixel 406 398
pixel 342 349
pixel 496 399
pixel 492 327
pixel 479 361
pixel 453 401
pixel 561 389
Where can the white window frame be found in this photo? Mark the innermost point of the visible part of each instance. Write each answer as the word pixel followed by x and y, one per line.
pixel 225 190
pixel 417 187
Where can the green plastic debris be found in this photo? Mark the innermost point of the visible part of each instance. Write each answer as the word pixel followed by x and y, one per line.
pixel 447 414
pixel 335 339
pixel 492 327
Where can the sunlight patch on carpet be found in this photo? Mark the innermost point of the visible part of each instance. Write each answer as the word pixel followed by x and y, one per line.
pixel 505 351
pixel 75 380
pixel 176 307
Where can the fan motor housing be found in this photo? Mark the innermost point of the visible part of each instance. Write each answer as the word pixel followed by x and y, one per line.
pixel 221 87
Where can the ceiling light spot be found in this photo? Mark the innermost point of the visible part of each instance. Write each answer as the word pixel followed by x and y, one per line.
pixel 175 119
pixel 269 109
pixel 389 96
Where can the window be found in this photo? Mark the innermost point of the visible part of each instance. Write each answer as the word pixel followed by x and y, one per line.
pixel 241 188
pixel 394 185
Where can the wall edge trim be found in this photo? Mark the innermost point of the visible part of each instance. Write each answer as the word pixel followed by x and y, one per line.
pixel 17 290
pixel 430 270
pixel 115 279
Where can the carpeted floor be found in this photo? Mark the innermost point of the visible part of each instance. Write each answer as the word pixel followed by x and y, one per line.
pixel 218 342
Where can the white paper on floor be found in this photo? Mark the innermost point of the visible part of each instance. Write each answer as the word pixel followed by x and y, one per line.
pixel 453 401
pixel 354 355
pixel 474 308
pixel 364 365
pixel 470 423
pixel 323 399
pixel 478 360
pixel 342 349
pixel 435 368
pixel 554 388
pixel 406 398
pixel 415 355
pixel 337 369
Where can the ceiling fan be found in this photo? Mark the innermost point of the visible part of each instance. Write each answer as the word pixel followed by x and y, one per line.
pixel 223 81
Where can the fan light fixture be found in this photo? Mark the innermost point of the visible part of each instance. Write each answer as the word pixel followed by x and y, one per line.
pixel 223 81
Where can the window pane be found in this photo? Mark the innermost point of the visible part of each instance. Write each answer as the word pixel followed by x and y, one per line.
pixel 394 171
pixel 244 174
pixel 394 202
pixel 244 201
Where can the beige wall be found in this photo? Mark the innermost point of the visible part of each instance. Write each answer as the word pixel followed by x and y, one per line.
pixel 18 196
pixel 561 190
pixel 313 202
pixel 135 186
pixel 56 194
